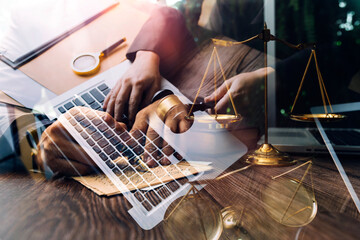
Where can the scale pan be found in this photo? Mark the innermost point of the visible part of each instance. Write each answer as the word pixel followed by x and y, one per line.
pixel 220 118
pixel 322 117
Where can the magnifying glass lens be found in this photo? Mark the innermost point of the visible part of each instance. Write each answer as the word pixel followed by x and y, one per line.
pixel 84 62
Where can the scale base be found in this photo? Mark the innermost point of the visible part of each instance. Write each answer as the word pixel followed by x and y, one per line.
pixel 322 117
pixel 268 155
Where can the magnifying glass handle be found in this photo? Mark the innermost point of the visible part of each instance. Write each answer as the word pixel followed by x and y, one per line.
pixel 107 51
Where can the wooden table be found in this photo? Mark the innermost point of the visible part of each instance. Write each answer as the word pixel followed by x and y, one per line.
pixel 34 208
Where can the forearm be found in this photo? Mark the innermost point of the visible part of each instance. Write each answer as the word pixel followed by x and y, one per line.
pixel 165 34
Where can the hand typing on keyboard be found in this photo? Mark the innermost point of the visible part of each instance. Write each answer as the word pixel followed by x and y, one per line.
pixel 109 139
pixel 174 119
pixel 135 88
pixel 61 153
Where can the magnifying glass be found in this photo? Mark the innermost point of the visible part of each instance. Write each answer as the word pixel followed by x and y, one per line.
pixel 89 63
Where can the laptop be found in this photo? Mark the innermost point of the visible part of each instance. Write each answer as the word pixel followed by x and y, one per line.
pixel 344 137
pixel 199 145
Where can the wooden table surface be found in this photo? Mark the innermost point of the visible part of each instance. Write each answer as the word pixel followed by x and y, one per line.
pixel 34 208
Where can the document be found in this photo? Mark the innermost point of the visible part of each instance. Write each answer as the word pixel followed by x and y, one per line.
pixel 101 184
pixel 22 88
pixel 34 26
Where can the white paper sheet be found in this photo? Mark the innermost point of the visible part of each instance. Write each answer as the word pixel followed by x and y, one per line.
pixel 22 88
pixel 36 22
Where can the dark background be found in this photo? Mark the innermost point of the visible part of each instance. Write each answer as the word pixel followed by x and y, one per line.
pixel 334 25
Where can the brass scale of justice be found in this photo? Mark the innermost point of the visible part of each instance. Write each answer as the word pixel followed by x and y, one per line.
pixel 267 154
pixel 296 208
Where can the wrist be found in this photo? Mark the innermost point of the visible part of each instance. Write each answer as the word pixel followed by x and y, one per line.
pixel 161 94
pixel 166 104
pixel 148 56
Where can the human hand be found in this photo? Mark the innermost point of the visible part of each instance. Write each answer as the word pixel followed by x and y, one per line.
pixel 245 89
pixel 174 119
pixel 135 88
pixel 61 153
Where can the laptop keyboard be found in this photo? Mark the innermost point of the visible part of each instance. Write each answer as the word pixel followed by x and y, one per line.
pixel 339 136
pixel 123 152
pixel 94 99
